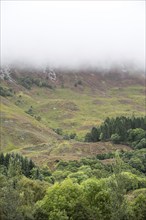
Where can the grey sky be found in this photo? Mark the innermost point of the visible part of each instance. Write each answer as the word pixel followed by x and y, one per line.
pixel 72 32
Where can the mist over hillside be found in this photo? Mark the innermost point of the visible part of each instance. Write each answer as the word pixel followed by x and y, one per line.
pixel 121 70
pixel 72 110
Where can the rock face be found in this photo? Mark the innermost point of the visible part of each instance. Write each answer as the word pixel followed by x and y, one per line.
pixel 5 73
pixel 73 79
pixel 50 73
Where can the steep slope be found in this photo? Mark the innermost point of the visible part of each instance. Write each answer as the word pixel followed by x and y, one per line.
pixel 18 129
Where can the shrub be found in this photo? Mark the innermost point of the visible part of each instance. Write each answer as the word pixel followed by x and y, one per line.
pixel 115 138
pixel 141 144
pixel 5 92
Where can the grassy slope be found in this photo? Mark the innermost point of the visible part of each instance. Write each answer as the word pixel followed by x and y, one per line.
pixel 74 109
pixel 78 112
pixel 18 129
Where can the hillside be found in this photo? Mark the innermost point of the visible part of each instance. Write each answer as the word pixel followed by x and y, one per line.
pixel 41 101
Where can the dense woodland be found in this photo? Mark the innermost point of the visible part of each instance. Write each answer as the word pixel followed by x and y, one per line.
pixel 88 189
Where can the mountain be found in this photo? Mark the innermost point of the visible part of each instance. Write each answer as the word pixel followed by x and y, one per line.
pixel 40 108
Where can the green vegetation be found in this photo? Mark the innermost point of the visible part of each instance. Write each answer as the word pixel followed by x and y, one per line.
pixel 85 189
pixel 29 81
pixel 18 193
pixel 131 131
pixel 73 109
pixel 72 174
pixel 79 82
pixel 5 92
pixel 65 135
pixel 15 160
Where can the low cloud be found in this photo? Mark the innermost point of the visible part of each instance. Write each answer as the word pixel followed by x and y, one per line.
pixel 75 33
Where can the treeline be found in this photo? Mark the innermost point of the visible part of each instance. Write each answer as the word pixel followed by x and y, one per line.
pixel 29 81
pixel 131 131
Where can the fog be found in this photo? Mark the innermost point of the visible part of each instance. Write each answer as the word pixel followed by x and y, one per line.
pixel 73 33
